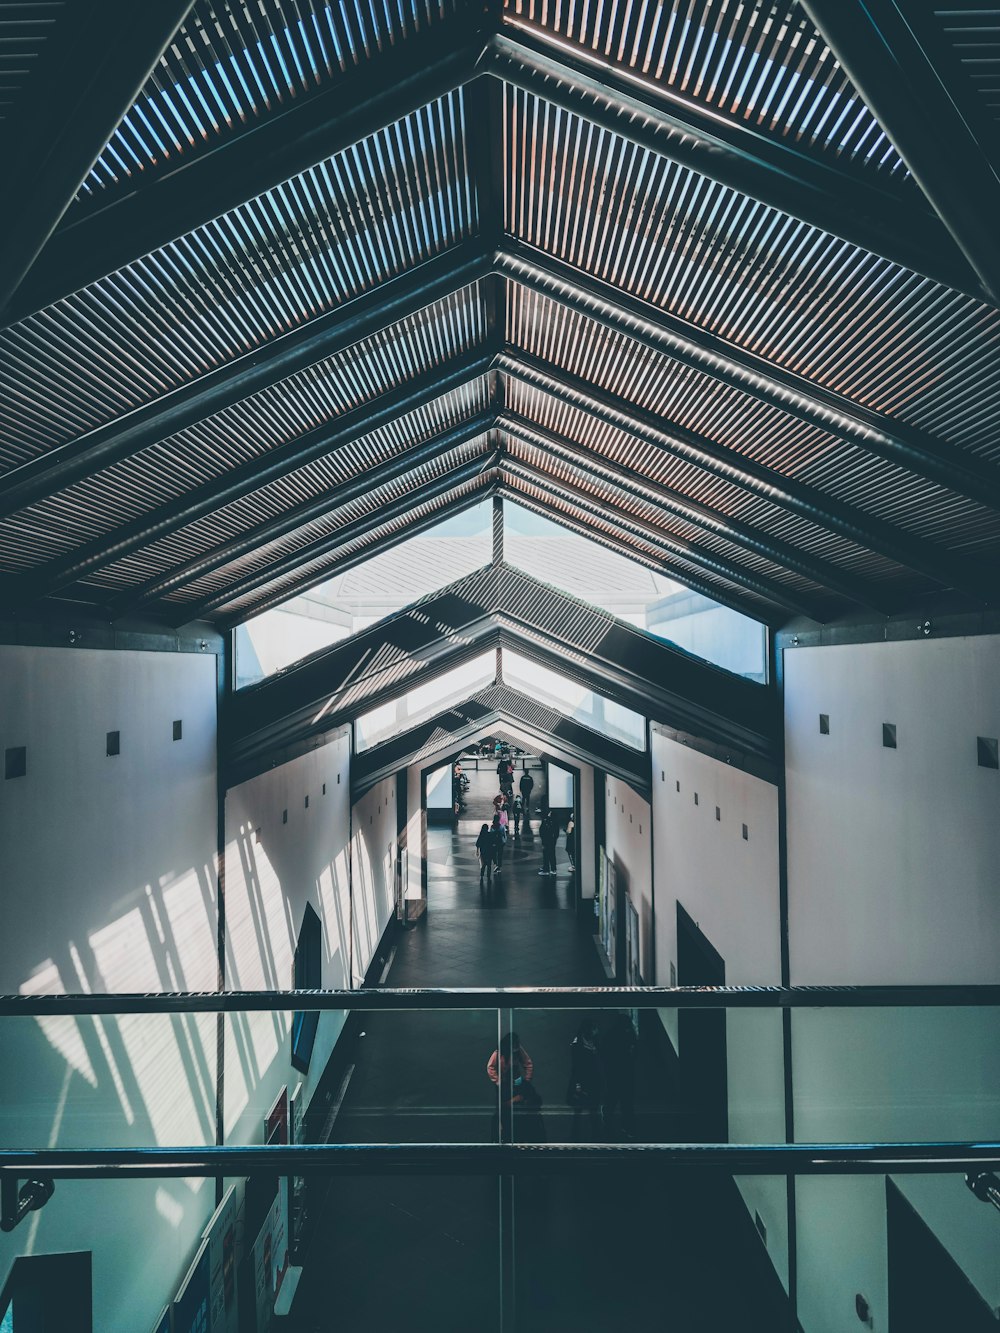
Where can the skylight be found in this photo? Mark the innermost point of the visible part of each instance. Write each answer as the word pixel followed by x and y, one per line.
pixel 631 592
pixel 372 590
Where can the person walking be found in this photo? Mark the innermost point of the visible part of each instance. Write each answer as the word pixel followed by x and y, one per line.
pixel 584 1092
pixel 527 786
pixel 497 836
pixel 548 831
pixel 485 851
pixel 516 812
pixel 507 781
pixel 571 841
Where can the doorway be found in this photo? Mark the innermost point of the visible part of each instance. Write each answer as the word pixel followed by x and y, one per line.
pixel 702 1038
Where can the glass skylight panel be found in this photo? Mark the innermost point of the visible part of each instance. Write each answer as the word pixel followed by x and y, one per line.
pixel 576 701
pixel 349 602
pixel 631 592
pixel 425 701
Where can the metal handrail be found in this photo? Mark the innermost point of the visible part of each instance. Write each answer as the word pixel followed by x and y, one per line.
pixel 507 1158
pixel 519 997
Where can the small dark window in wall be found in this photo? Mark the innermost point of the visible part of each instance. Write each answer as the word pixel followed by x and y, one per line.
pixel 256 836
pixel 324 788
pixel 630 817
pixel 307 802
pixel 678 784
pixel 178 730
pixel 746 833
pixel 338 779
pixel 986 749
pixel 824 724
pixel 284 816
pixel 889 735
pixel 696 798
pixel 114 742
pixel 718 813
pixel 663 776
pixel 15 761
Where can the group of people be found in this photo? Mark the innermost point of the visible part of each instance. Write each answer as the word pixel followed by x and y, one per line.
pixel 508 812
pixel 601 1087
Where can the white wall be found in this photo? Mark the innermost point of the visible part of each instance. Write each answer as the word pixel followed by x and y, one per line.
pixel 728 884
pixel 892 854
pixel 373 859
pixel 892 860
pixel 628 840
pixel 109 879
pixel 274 867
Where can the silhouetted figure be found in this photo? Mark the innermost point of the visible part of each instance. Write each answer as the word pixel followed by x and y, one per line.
pixel 548 831
pixel 571 841
pixel 486 851
pixel 617 1050
pixel 526 786
pixel 584 1092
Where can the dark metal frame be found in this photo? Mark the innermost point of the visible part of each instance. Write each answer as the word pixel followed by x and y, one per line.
pixel 522 1159
pixel 383 999
pixel 881 48
pixel 773 172
pixel 94 65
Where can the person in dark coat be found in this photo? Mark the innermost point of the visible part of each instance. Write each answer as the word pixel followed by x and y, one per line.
pixel 485 849
pixel 527 786
pixel 585 1090
pixel 548 831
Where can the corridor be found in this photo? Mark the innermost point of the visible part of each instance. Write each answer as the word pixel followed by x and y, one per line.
pixel 409 1254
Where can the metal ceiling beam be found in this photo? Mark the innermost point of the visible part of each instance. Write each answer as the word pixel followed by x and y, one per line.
pixel 894 72
pixel 621 534
pixel 247 477
pixel 99 56
pixel 310 129
pixel 257 369
pixel 658 536
pixel 919 453
pixel 297 516
pixel 719 460
pixel 734 154
pixel 206 607
pixel 692 511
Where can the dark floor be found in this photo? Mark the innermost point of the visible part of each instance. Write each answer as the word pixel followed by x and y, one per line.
pixel 404 1255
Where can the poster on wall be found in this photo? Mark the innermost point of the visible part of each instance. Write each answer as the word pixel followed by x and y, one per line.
pixel 270 1258
pixel 297 1191
pixel 221 1237
pixel 276 1120
pixel 191 1305
pixel 633 976
pixel 609 915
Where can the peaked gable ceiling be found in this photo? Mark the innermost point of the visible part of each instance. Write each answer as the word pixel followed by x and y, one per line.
pixel 693 279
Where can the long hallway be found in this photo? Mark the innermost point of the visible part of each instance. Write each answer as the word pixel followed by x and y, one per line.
pixel 424 1253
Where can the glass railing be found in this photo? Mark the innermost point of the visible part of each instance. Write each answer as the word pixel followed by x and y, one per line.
pixel 512 1160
